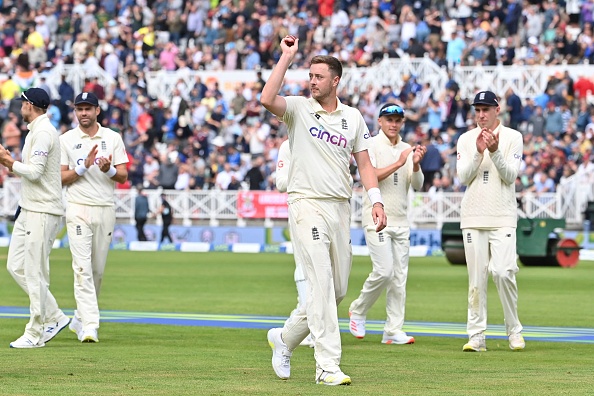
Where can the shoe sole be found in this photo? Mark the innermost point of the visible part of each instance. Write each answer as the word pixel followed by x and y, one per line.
pixel 59 330
pixel 517 349
pixel 392 342
pixel 27 347
pixel 89 340
pixel 346 381
pixel 471 349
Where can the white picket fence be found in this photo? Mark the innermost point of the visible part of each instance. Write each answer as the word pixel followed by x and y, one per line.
pixel 214 206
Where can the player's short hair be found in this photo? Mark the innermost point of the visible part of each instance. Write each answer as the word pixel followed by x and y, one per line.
pixel 333 63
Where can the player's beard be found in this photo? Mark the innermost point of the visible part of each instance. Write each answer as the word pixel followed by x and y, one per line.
pixel 86 123
pixel 319 94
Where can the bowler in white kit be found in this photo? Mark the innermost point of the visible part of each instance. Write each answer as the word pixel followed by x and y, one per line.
pixel 93 160
pixel 323 134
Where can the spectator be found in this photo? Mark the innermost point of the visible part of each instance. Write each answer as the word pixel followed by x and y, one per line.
pixel 431 164
pixel 168 172
pixel 254 176
pixel 514 108
pixel 225 177
pixel 536 123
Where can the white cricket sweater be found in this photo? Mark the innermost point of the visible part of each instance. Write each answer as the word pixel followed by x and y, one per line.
pixel 395 187
pixel 41 181
pixel 490 198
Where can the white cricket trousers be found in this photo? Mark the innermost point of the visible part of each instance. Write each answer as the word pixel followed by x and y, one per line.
pixel 30 246
pixel 320 230
pixel 90 230
pixel 301 285
pixel 389 252
pixel 491 251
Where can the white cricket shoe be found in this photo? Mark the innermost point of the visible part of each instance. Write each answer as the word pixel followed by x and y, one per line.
pixel 357 327
pixel 281 356
pixel 307 341
pixel 516 342
pixel 50 330
pixel 476 343
pixel 399 338
pixel 89 335
pixel 76 326
pixel 332 379
pixel 23 342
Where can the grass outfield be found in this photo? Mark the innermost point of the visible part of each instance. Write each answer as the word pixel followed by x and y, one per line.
pixel 134 359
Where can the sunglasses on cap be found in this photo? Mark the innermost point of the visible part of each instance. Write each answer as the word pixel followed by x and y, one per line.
pixel 392 110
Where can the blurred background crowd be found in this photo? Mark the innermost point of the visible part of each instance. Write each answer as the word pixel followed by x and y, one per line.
pixel 203 139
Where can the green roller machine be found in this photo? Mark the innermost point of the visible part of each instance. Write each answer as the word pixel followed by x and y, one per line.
pixel 538 242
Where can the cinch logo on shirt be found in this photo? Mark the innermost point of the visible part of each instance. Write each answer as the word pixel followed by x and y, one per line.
pixel 81 160
pixel 336 140
pixel 40 153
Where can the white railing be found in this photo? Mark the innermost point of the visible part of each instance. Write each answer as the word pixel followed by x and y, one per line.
pixel 526 81
pixel 425 209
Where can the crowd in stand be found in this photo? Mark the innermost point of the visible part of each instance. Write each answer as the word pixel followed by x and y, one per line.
pixel 201 139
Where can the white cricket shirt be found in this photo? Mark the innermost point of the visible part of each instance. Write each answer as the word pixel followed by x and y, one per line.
pixel 490 198
pixel 94 188
pixel 41 183
pixel 321 146
pixel 395 187
pixel 283 163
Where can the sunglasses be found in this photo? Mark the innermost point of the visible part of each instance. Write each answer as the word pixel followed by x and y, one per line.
pixel 393 109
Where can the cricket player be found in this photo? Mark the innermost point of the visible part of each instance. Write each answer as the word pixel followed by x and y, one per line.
pixel 323 134
pixel 40 218
pixel 93 160
pixel 282 178
pixel 397 167
pixel 488 163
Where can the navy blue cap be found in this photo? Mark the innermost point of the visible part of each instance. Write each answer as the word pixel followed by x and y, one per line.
pixel 391 109
pixel 88 98
pixel 487 98
pixel 37 97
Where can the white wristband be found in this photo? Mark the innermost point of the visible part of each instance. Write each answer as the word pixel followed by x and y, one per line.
pixel 375 196
pixel 111 172
pixel 81 169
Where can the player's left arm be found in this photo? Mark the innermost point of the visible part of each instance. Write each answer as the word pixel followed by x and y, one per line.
pixel 119 171
pixel 417 178
pixel 369 180
pixel 508 163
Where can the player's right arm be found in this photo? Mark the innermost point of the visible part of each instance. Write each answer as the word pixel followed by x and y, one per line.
pixel 384 173
pixel 468 159
pixel 270 98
